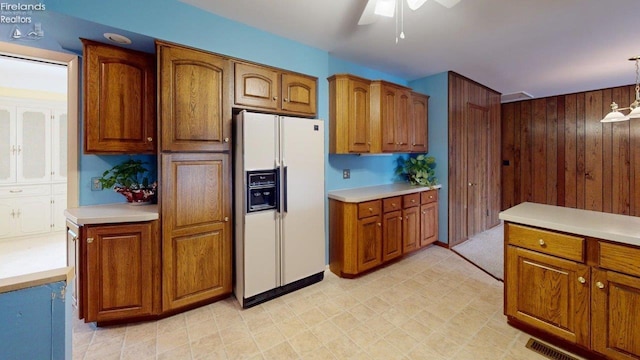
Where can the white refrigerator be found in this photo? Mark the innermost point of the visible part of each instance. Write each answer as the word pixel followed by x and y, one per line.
pixel 279 205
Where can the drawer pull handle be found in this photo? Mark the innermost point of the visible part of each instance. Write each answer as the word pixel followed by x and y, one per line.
pixel 413 201
pixel 15 191
pixel 582 280
pixel 600 285
pixel 430 196
pixel 370 209
pixel 393 204
pixel 541 242
pixel 89 240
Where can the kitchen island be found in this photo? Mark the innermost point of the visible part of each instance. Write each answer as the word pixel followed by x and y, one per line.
pixel 572 277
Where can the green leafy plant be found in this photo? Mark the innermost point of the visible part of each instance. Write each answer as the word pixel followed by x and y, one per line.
pixel 128 178
pixel 418 170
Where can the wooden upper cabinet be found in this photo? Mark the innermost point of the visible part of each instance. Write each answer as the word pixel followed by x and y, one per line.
pixel 256 86
pixel 195 105
pixel 264 88
pixel 298 93
pixel 119 100
pixel 418 123
pixel 391 108
pixel 349 116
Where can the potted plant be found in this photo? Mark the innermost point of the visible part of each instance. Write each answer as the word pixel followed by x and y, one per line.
pixel 418 170
pixel 128 178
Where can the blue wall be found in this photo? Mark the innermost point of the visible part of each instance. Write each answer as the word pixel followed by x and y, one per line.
pixel 437 87
pixel 35 323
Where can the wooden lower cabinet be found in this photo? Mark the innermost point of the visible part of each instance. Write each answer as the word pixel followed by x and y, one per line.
pixel 544 292
pixel 582 293
pixel 196 241
pixel 428 224
pixel 122 273
pixel 363 236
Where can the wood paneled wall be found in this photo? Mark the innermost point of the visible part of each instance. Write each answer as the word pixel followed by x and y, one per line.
pixel 559 153
pixel 474 158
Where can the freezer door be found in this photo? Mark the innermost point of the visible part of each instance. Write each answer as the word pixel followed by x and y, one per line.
pixel 303 230
pixel 259 141
pixel 260 253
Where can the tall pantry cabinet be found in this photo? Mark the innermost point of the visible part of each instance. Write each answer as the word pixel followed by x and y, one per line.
pixel 195 166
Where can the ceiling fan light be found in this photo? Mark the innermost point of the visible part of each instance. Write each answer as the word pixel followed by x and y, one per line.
pixel 415 4
pixel 614 116
pixel 385 7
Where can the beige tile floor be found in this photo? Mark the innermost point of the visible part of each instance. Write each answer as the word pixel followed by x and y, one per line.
pixel 431 305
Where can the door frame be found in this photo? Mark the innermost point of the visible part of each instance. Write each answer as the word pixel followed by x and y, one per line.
pixel 73 69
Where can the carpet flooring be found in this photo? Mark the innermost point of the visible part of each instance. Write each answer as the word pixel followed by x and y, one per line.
pixel 485 250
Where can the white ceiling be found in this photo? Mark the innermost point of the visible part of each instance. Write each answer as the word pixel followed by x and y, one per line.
pixel 543 47
pixel 33 75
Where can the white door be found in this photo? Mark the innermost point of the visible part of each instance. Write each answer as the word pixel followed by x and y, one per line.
pixel 33 145
pixel 8 146
pixel 303 240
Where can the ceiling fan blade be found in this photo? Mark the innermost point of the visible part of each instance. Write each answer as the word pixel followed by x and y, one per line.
pixel 415 4
pixel 448 3
pixel 368 14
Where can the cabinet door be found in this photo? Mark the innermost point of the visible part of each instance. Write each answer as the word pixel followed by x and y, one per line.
pixel 7 218
pixel 391 235
pixel 418 124
pixel 428 224
pixel 195 109
pixel 402 121
pixel 58 205
pixel 119 103
pixel 369 243
pixel 548 293
pixel 59 145
pixel 410 229
pixel 196 243
pixel 299 94
pixel 119 271
pixel 388 108
pixel 256 86
pixel 615 315
pixel 33 145
pixel 33 214
pixel 359 120
pixel 8 141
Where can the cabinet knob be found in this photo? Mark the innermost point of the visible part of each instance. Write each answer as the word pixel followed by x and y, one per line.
pixel 226 140
pixel 413 201
pixel 149 139
pixel 413 144
pixel 379 224
pixel 430 196
pixel 286 100
pixel 470 184
pixel 393 204
pixel 600 285
pixel 13 213
pixel 370 209
pixel 89 240
pixel 582 280
pixel 226 218
pixel 400 218
pixel 275 98
pixel 424 212
pixel 541 242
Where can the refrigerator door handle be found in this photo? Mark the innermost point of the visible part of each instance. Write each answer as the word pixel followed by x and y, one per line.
pixel 285 189
pixel 278 202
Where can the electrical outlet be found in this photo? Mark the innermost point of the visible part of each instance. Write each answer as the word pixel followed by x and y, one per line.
pixel 346 173
pixel 95 184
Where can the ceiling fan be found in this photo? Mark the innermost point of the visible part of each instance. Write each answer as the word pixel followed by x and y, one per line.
pixel 387 8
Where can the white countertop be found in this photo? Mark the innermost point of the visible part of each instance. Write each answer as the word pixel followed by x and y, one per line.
pixel 367 193
pixel 620 228
pixel 112 213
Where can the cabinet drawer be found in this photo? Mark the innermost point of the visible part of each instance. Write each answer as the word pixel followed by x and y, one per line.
pixel 624 259
pixel 552 243
pixel 369 208
pixel 411 200
pixel 429 196
pixel 32 190
pixel 392 204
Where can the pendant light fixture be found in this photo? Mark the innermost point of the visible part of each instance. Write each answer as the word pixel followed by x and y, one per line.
pixel 615 114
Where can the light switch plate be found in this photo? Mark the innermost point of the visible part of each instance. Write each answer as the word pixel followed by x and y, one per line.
pixel 95 184
pixel 346 174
